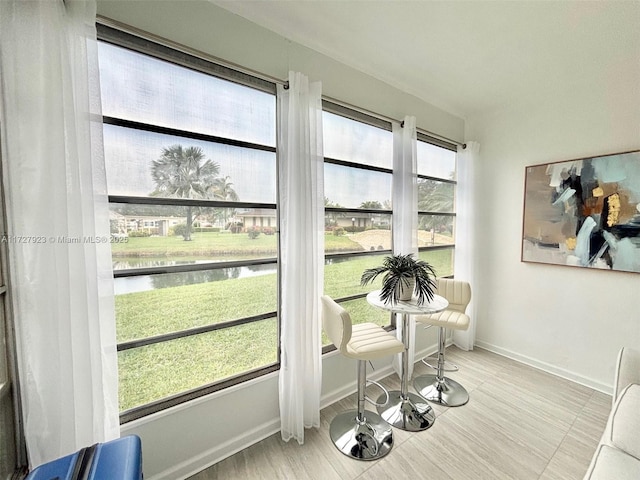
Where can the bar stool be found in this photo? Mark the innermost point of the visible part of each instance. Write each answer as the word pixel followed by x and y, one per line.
pixel 359 434
pixel 436 387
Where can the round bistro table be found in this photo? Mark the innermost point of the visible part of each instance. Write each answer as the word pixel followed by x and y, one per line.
pixel 405 410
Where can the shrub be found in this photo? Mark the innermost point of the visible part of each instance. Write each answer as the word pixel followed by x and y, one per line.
pixel 235 227
pixel 253 233
pixel 180 229
pixel 268 230
pixel 338 231
pixel 139 233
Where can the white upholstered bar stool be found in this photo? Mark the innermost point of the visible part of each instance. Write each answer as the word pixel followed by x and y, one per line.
pixel 359 434
pixel 436 387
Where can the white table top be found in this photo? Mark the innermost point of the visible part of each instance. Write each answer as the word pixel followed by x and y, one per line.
pixel 411 307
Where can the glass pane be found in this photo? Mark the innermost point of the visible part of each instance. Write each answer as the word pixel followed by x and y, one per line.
pixel 356 232
pixel 346 139
pixel 144 89
pixel 163 369
pixel 434 196
pixel 436 161
pixel 157 235
pixel 342 275
pixel 435 230
pixel 356 188
pixel 232 174
pixel 441 260
pixel 152 305
pixel 360 312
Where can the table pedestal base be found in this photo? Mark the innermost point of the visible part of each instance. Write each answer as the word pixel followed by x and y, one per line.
pixel 412 413
pixel 445 392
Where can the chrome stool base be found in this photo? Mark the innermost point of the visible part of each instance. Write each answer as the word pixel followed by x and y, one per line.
pixel 370 440
pixel 446 392
pixel 412 413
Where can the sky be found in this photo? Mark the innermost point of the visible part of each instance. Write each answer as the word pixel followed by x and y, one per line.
pixel 147 90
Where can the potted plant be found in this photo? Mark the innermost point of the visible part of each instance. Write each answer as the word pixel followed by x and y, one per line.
pixel 403 275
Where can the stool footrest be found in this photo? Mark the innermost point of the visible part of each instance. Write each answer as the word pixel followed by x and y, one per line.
pixel 432 362
pixel 386 394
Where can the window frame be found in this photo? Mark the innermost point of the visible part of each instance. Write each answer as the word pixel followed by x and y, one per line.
pixel 357 116
pixel 423 137
pixel 128 38
pixel 139 44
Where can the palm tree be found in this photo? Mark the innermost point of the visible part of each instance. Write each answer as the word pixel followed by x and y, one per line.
pixel 371 204
pixel 222 189
pixel 434 196
pixel 374 204
pixel 184 173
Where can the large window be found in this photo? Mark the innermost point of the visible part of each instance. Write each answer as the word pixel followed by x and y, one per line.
pixel 436 203
pixel 190 154
pixel 190 151
pixel 358 152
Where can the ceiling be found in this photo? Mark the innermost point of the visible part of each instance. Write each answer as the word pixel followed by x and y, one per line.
pixel 467 57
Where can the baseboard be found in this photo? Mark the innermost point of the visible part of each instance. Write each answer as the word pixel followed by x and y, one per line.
pixel 547 367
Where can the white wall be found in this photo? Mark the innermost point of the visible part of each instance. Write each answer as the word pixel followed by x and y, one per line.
pixel 567 320
pixel 182 440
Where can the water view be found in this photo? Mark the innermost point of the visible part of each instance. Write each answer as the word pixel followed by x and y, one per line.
pixel 144 283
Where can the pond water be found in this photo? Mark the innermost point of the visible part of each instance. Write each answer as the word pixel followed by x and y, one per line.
pixel 126 263
pixel 146 283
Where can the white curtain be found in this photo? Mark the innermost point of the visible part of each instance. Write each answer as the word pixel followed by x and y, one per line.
pixel 301 187
pixel 465 236
pixel 57 225
pixel 405 209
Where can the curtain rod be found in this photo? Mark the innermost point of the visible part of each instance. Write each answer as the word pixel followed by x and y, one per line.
pixel 463 145
pixel 424 132
pixel 391 120
pixel 145 35
pixel 211 58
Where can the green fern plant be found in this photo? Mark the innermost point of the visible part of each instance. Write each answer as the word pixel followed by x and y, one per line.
pixel 399 270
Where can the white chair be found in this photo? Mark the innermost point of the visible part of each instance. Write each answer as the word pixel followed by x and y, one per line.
pixel 436 387
pixel 359 434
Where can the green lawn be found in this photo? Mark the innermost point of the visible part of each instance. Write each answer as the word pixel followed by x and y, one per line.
pixel 157 371
pixel 215 244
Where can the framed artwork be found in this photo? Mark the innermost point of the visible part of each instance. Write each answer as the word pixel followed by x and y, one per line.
pixel 584 213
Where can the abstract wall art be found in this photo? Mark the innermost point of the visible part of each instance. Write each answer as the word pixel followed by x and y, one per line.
pixel 584 213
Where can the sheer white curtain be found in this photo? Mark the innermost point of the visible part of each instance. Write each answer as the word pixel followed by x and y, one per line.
pixel 301 187
pixel 405 208
pixel 57 226
pixel 465 235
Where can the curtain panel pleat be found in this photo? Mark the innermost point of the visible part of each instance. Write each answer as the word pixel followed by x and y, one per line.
pixel 465 236
pixel 58 226
pixel 301 191
pixel 405 210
